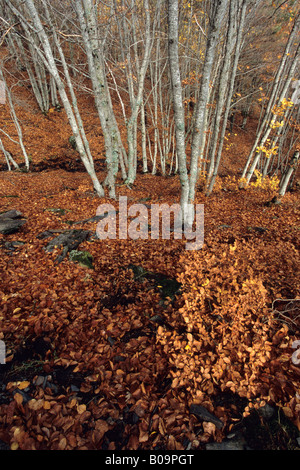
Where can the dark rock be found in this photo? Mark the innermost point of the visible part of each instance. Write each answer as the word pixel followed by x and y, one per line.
pixel 12 246
pixel 266 411
pixel 95 218
pixel 111 340
pixel 8 226
pixel 56 210
pixel 157 319
pixel 69 240
pixel 257 229
pixel 224 226
pixel 204 415
pixel 40 381
pixel 72 142
pixel 11 214
pixel 226 445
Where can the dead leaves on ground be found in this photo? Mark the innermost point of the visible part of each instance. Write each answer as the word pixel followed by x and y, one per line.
pixel 137 379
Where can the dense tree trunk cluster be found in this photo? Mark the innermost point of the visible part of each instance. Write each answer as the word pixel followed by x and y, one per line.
pixel 180 73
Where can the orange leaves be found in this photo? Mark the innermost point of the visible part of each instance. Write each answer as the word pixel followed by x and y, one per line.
pixel 18 398
pixel 131 377
pixel 228 338
pixel 101 427
pixel 38 404
pixel 23 385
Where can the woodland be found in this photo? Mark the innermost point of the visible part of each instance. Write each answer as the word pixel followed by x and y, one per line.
pixel 141 344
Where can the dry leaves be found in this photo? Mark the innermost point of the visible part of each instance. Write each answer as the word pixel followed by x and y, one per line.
pixel 133 380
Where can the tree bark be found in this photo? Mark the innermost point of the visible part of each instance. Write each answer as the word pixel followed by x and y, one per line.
pixel 178 106
pixel 218 13
pixel 50 62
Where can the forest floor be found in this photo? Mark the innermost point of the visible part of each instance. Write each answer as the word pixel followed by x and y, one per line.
pixel 93 355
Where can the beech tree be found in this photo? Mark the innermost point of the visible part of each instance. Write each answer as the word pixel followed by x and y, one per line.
pixel 226 87
pixel 218 11
pixel 94 50
pixel 20 45
pixel 169 77
pixel 8 157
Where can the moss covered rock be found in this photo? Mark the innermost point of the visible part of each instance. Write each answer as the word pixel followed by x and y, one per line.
pixel 84 258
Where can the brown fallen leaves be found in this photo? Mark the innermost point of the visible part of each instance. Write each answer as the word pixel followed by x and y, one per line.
pixel 136 379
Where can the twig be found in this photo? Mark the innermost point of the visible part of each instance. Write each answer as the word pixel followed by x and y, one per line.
pixel 199 26
pixel 6 32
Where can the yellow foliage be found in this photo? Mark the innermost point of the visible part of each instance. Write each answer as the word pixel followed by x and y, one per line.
pixel 266 151
pixel 265 182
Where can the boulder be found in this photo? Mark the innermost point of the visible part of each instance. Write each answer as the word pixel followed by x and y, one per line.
pixel 11 221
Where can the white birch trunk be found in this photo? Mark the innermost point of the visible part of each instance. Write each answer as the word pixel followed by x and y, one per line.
pixel 88 23
pixel 9 159
pixel 137 100
pixel 16 122
pixel 287 176
pixel 233 69
pixel 179 114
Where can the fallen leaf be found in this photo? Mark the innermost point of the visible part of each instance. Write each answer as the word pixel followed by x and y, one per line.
pixel 18 398
pixel 23 385
pixel 81 409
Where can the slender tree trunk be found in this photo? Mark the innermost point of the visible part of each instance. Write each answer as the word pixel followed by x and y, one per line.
pixel 287 176
pixel 278 91
pixel 233 69
pixel 16 122
pixel 137 100
pixel 144 139
pixel 50 62
pixel 178 106
pixel 88 23
pixel 8 157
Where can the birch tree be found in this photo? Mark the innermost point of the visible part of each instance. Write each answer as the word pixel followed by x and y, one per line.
pixel 218 11
pixel 226 85
pixel 47 57
pixel 217 15
pixel 28 60
pixel 13 113
pixel 288 173
pixel 137 97
pixel 94 50
pixel 179 114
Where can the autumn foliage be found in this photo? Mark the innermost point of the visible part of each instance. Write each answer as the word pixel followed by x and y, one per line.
pixel 91 369
pixel 107 358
